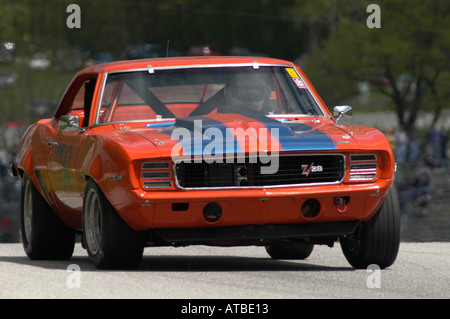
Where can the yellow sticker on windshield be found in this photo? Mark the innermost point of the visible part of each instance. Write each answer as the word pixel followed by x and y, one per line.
pixel 292 72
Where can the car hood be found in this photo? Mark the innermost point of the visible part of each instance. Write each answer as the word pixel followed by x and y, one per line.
pixel 232 133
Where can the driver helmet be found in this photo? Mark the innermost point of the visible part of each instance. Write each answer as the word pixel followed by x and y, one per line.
pixel 245 93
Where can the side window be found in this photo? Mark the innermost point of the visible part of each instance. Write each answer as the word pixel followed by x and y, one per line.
pixel 78 101
pixel 83 101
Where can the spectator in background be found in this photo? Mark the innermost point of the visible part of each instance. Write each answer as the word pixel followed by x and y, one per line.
pixel 401 145
pixel 433 146
pixel 444 136
pixel 413 149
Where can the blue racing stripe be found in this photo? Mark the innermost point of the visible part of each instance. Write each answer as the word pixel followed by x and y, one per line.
pixel 204 136
pixel 295 136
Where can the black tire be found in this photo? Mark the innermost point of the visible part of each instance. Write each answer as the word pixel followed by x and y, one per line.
pixel 289 250
pixel 44 235
pixel 110 242
pixel 376 241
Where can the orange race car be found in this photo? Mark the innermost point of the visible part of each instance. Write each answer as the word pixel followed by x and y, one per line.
pixel 204 150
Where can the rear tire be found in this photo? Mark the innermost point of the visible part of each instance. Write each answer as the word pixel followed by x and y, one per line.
pixel 110 242
pixel 44 235
pixel 289 250
pixel 376 241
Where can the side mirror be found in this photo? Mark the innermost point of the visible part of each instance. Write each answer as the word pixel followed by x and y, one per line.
pixel 70 123
pixel 340 111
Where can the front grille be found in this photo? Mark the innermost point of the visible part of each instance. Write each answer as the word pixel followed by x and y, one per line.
pixel 292 170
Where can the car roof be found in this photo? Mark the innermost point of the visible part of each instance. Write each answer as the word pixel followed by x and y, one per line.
pixel 182 61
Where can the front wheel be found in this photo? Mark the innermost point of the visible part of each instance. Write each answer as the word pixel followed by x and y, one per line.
pixel 110 242
pixel 44 235
pixel 376 241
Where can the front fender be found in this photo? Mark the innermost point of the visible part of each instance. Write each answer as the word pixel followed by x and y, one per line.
pixel 31 153
pixel 109 162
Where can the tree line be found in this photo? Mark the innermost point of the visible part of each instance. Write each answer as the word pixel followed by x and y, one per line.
pixel 406 59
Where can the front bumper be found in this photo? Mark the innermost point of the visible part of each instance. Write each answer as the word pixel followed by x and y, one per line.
pixel 275 206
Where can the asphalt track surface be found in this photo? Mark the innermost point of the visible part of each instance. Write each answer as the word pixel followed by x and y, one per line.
pixel 422 270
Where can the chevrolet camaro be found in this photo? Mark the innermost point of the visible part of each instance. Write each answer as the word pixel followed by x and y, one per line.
pixel 222 151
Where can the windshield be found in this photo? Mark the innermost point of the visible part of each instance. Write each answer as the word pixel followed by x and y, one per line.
pixel 174 93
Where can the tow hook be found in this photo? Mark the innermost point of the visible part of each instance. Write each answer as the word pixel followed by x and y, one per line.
pixel 341 203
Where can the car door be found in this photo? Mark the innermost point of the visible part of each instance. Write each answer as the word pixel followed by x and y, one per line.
pixel 63 161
